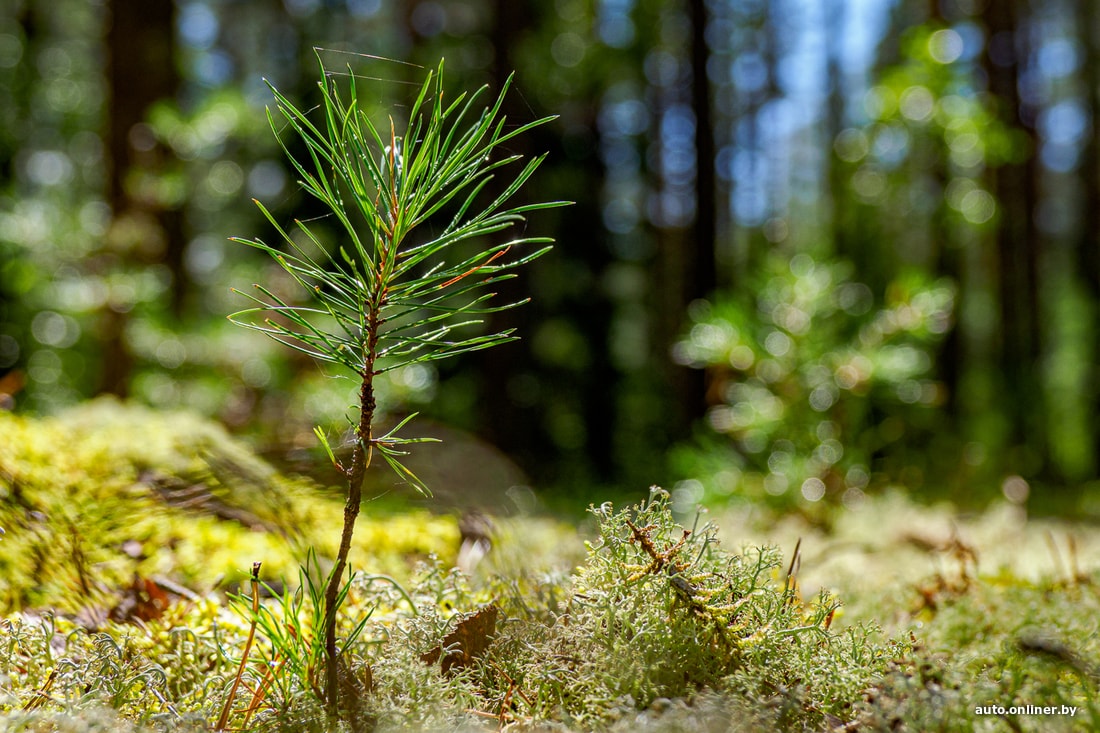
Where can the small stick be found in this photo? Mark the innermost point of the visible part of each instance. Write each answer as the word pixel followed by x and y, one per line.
pixel 223 720
pixel 42 694
pixel 792 570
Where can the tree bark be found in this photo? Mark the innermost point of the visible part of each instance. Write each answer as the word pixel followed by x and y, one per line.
pixel 1088 238
pixel 1015 185
pixel 838 173
pixel 699 258
pixel 141 70
pixel 701 271
pixel 501 421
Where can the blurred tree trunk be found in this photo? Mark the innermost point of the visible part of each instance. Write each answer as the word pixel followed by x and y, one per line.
pixel 523 401
pixel 687 241
pixel 501 421
pixel 763 34
pixel 837 177
pixel 701 271
pixel 949 263
pixel 600 381
pixel 141 71
pixel 16 97
pixel 699 255
pixel 1088 242
pixel 1015 185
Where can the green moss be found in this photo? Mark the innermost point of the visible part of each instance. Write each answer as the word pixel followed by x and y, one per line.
pixel 107 490
pixel 1004 609
pixel 995 642
pixel 657 625
pixel 645 628
pixel 659 613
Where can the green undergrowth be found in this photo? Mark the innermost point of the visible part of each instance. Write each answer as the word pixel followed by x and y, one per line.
pixel 657 623
pixel 1003 610
pixel 106 491
pixel 948 622
pixel 990 654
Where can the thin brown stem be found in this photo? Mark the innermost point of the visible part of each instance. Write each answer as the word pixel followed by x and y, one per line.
pixel 223 720
pixel 360 461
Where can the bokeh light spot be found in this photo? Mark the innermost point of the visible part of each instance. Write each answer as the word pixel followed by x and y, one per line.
pixel 945 46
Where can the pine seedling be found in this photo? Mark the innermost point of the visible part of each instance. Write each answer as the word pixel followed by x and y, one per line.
pixel 393 291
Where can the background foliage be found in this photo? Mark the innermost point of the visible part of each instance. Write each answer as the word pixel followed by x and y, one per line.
pixel 819 245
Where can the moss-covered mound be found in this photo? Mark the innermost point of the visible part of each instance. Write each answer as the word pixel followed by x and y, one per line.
pixel 101 493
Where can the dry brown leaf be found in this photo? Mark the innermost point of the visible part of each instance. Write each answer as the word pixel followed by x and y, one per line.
pixel 468 642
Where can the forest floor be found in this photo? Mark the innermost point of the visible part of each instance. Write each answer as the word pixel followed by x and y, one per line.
pixel 128 537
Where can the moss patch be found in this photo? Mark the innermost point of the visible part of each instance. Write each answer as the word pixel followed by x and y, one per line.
pixel 647 627
pixel 105 491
